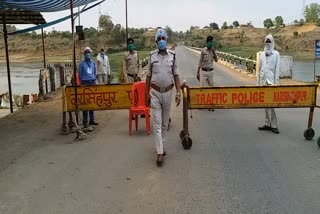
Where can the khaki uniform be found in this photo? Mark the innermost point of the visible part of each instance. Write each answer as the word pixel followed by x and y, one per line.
pixel 206 64
pixel 162 69
pixel 131 67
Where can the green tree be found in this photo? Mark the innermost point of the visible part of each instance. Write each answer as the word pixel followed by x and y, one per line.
pixel 236 24
pixel 214 26
pixel 105 23
pixel 117 35
pixel 230 26
pixel 268 23
pixel 170 33
pixel 224 25
pixel 301 22
pixel 279 21
pixel 311 13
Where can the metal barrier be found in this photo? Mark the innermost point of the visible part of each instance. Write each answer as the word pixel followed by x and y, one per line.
pixel 94 97
pixel 98 97
pixel 246 97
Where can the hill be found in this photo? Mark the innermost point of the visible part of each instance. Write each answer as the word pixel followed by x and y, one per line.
pixel 243 41
pixel 246 41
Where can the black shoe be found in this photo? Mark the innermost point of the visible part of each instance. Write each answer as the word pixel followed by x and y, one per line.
pixel 265 127
pixel 275 130
pixel 143 116
pixel 93 123
pixel 159 160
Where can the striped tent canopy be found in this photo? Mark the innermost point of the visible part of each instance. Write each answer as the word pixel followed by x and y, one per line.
pixel 40 5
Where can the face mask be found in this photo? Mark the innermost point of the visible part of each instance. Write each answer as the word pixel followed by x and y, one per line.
pixel 87 56
pixel 210 45
pixel 162 44
pixel 268 46
pixel 130 47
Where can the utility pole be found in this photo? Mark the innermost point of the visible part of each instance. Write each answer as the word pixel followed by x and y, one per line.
pixel 127 23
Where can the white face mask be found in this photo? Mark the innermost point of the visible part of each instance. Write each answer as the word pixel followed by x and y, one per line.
pixel 269 47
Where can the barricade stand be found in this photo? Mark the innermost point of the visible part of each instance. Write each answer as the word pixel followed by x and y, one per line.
pixel 248 97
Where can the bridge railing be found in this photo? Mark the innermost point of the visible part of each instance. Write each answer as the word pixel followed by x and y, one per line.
pixel 237 62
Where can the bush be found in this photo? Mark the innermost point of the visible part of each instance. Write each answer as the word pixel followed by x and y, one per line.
pixel 295 33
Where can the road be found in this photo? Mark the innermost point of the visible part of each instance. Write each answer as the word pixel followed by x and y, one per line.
pixel 231 168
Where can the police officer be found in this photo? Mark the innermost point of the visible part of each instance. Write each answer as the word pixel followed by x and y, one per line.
pixel 87 75
pixel 269 69
pixel 162 76
pixel 208 54
pixel 131 63
pixel 205 67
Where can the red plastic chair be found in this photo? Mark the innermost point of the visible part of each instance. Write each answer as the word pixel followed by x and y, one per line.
pixel 138 106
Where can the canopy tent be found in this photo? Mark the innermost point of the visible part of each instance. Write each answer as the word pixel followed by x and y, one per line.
pixel 40 5
pixel 28 12
pixel 21 17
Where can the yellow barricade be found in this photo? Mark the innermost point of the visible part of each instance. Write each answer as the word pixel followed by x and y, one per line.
pixel 98 97
pixel 236 97
pixel 243 97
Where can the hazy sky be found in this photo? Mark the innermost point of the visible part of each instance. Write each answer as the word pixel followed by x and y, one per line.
pixel 181 14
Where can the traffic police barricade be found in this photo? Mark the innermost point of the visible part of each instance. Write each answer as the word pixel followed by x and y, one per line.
pixel 246 97
pixel 95 98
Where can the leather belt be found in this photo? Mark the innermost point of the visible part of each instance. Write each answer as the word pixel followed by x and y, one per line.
pixel 207 69
pixel 162 90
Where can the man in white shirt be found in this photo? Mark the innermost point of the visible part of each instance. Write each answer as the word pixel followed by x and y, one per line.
pixel 103 68
pixel 269 68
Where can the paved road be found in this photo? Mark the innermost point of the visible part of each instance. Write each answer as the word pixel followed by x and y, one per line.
pixel 231 168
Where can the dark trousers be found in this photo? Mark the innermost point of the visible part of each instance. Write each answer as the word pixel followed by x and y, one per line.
pixel 85 113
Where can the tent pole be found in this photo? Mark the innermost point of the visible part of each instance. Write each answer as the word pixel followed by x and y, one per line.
pixel 74 62
pixel 43 50
pixel 5 33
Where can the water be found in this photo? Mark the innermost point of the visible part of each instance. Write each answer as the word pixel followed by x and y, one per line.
pixel 24 76
pixel 304 71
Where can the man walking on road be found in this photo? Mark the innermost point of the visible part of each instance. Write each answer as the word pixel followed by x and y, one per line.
pixel 131 63
pixel 208 54
pixel 162 76
pixel 269 68
pixel 87 75
pixel 205 67
pixel 103 67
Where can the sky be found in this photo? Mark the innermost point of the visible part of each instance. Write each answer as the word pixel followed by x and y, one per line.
pixel 181 14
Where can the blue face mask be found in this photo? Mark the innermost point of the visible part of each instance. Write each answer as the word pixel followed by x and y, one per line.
pixel 87 56
pixel 162 44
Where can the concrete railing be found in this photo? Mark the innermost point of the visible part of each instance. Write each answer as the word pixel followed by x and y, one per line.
pixel 53 77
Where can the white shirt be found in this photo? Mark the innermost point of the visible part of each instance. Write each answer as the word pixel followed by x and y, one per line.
pixel 269 68
pixel 103 66
pixel 162 68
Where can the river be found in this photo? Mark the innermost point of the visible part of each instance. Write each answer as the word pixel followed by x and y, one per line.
pixel 24 76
